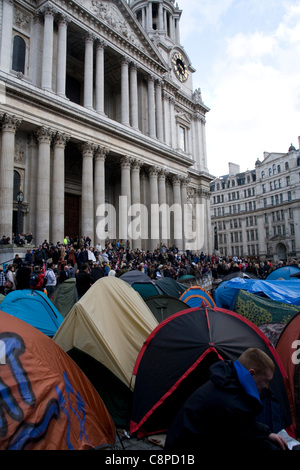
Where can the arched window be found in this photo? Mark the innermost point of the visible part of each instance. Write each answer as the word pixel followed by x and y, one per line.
pixel 286 165
pixel 298 161
pixel 19 52
pixel 17 183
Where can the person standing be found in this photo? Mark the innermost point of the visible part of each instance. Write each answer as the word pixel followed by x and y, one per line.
pixel 84 280
pixel 51 279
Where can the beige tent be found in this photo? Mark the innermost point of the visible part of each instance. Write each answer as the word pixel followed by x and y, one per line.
pixel 110 323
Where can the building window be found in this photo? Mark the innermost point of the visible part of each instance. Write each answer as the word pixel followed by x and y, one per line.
pixel 262 175
pixel 182 138
pixel 288 181
pixel 286 165
pixel 289 196
pixel 278 169
pixel 274 169
pixel 19 52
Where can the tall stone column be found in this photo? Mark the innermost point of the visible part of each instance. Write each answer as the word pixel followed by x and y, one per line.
pixel 47 65
pixel 151 107
pixel 125 91
pixel 88 72
pixel 154 207
pixel 185 213
pixel 100 46
pixel 33 167
pixel 167 128
pixel 134 96
pixel 159 110
pixel 125 201
pixel 9 128
pixel 62 56
pixel 44 136
pixel 58 189
pixel 6 35
pixel 173 133
pixel 87 191
pixel 178 211
pixel 136 200
pixel 164 221
pixel 99 186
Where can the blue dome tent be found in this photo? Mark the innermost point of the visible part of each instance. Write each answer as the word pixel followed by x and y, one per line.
pixel 34 308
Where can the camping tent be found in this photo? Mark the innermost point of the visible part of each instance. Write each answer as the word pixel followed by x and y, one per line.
pixel 146 289
pixel 175 359
pixel 48 403
pixel 65 296
pixel 35 308
pixel 105 331
pixel 163 306
pixel 135 276
pixel 288 349
pixel 261 310
pixel 242 274
pixel 285 272
pixel 169 286
pixel 194 296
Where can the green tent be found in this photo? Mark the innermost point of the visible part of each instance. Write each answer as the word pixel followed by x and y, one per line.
pixel 262 310
pixel 163 306
pixel 146 289
pixel 65 296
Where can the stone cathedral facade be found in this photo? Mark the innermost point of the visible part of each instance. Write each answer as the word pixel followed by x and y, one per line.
pixel 98 110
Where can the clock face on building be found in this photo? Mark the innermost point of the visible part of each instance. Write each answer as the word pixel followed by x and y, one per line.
pixel 179 67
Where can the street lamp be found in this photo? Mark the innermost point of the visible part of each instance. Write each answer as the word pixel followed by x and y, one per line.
pixel 20 197
pixel 216 238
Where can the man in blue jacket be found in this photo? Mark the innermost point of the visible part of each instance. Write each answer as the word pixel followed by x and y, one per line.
pixel 221 414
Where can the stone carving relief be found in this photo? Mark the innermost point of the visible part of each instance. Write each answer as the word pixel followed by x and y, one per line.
pixel 22 20
pixel 111 15
pixel 19 156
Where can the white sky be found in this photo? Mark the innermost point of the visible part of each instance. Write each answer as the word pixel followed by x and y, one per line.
pixel 247 59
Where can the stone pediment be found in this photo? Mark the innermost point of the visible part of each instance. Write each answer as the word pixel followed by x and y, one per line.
pixel 116 15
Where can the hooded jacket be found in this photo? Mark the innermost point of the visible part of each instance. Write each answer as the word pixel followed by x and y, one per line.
pixel 220 414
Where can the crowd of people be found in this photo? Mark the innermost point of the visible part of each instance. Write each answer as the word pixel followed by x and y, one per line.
pixel 88 263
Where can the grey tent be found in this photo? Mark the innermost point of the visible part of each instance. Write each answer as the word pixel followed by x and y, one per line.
pixel 169 286
pixel 163 306
pixel 135 276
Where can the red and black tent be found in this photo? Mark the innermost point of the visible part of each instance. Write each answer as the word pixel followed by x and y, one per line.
pixel 288 348
pixel 175 359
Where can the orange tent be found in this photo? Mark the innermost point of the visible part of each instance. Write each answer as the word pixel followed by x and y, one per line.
pixel 47 403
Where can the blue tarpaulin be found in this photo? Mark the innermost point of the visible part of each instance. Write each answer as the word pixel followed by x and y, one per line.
pixel 286 291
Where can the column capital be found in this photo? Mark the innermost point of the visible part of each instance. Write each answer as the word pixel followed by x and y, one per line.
pixel 45 134
pixel 88 149
pixel 61 139
pixel 63 19
pixel 10 122
pixel 126 162
pixel 137 164
pixel 163 173
pixel 185 180
pixel 48 10
pixel 101 153
pixel 153 171
pixel 100 43
pixel 176 179
pixel 125 60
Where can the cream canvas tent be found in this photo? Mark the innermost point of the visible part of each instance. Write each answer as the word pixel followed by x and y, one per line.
pixel 104 332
